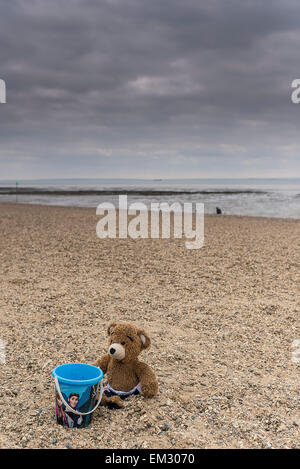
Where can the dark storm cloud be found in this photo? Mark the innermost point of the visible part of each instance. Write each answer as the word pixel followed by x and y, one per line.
pixel 148 88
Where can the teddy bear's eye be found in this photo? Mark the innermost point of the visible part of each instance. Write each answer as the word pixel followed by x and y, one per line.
pixel 122 343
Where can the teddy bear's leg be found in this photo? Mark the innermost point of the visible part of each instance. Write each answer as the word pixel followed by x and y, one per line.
pixel 149 389
pixel 113 402
pixel 148 380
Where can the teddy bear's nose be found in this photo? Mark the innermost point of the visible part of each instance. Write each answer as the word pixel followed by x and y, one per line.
pixel 112 350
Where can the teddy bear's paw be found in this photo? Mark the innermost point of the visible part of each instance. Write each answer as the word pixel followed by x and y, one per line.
pixel 149 389
pixel 115 402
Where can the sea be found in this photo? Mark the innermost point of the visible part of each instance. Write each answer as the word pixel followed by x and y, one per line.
pixel 277 198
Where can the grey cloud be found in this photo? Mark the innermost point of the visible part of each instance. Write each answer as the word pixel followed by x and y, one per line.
pixel 193 82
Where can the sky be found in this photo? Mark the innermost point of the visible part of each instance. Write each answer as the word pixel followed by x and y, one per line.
pixel 149 89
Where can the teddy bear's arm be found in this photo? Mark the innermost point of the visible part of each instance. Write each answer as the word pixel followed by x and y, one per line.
pixel 102 362
pixel 147 378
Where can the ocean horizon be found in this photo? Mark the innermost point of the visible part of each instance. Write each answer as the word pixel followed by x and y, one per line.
pixel 267 197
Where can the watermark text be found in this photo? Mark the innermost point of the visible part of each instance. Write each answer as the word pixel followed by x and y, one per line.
pixel 188 221
pixel 296 351
pixel 2 92
pixel 2 352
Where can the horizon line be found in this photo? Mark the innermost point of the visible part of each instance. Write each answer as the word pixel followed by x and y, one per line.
pixel 145 179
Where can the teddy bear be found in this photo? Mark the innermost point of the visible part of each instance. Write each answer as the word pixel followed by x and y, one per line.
pixel 126 374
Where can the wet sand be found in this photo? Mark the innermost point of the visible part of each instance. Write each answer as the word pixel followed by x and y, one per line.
pixel 222 320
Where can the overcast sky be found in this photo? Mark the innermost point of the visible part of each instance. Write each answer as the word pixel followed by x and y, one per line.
pixel 149 88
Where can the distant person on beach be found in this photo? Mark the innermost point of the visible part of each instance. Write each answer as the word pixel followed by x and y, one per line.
pixel 218 211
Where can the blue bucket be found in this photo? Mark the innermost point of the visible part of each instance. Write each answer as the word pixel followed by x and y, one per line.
pixel 78 392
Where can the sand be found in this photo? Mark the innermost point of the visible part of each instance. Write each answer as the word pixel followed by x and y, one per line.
pixel 222 320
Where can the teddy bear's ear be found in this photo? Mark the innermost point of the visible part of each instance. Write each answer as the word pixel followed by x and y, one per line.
pixel 146 341
pixel 110 327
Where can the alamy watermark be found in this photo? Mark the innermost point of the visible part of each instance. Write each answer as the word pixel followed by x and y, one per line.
pixel 296 351
pixel 146 222
pixel 2 352
pixel 2 92
pixel 295 96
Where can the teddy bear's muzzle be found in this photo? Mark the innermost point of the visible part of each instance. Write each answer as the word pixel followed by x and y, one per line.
pixel 117 351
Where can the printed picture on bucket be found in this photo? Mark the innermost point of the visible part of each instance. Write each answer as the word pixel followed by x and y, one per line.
pixel 60 413
pixel 74 420
pixel 65 416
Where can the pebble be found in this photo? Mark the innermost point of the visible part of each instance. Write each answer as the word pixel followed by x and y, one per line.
pixel 166 426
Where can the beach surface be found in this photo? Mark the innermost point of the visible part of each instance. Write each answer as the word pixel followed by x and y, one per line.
pixel 223 320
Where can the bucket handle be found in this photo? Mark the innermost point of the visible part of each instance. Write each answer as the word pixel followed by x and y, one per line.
pixel 69 408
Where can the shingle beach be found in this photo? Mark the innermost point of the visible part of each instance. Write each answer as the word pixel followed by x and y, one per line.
pixel 223 321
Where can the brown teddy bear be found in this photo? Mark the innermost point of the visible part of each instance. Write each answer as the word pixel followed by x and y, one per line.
pixel 126 374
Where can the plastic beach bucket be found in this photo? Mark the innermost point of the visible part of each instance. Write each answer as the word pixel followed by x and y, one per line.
pixel 78 392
